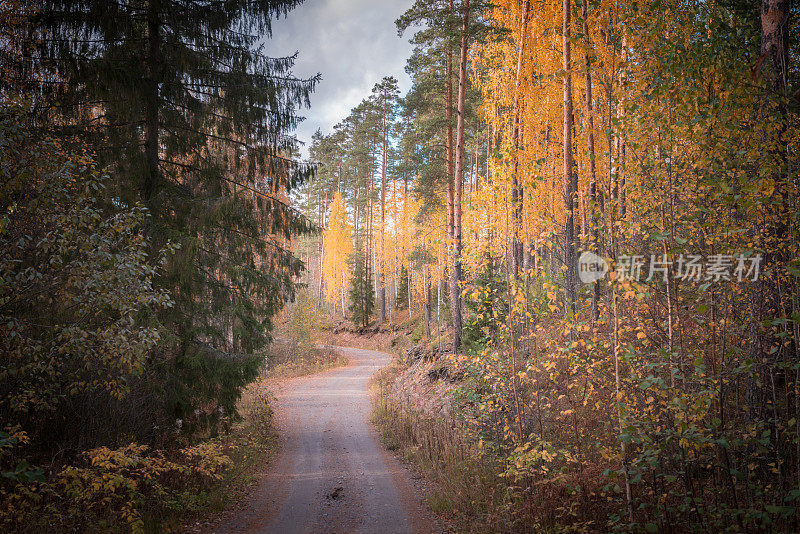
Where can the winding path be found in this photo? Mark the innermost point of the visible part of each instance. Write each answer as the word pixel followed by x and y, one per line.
pixel 331 475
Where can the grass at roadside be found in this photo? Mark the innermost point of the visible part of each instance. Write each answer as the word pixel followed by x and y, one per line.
pixel 251 443
pixel 465 486
pixel 287 360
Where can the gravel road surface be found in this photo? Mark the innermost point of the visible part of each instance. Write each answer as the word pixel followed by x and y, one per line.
pixel 331 475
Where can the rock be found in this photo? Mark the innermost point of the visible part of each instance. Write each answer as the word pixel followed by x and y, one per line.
pixel 438 373
pixel 415 352
pixel 336 494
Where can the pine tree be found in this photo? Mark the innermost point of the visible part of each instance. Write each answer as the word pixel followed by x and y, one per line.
pixel 449 27
pixel 402 289
pixel 362 293
pixel 384 99
pixel 193 121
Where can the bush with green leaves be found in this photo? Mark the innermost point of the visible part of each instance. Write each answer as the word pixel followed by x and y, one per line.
pixel 305 320
pixel 76 291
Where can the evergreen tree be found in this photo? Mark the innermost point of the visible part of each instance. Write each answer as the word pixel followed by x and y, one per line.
pixel 192 121
pixel 448 28
pixel 362 293
pixel 402 289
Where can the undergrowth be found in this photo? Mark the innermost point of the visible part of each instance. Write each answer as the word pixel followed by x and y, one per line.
pixel 467 489
pixel 287 361
pixel 135 488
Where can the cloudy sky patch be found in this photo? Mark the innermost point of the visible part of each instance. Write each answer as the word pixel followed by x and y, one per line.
pixel 352 43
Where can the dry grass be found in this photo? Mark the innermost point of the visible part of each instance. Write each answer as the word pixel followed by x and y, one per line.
pixel 468 491
pixel 287 360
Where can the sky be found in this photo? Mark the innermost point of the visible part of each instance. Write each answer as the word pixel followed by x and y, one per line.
pixel 352 43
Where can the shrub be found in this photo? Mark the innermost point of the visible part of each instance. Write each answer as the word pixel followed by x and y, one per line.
pixel 76 291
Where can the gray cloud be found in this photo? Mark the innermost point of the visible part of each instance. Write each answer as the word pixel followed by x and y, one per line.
pixel 352 43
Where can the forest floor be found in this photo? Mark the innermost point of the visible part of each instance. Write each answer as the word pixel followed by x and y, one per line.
pixel 330 474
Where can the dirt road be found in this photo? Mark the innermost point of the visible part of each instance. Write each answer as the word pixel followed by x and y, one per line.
pixel 331 475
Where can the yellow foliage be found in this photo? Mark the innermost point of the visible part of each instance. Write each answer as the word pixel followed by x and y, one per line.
pixel 338 244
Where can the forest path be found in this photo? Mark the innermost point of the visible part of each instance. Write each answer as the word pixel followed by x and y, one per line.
pixel 331 474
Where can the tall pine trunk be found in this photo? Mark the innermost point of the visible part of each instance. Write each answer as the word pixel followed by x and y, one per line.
pixel 596 200
pixel 570 178
pixel 321 251
pixel 517 189
pixel 449 142
pixel 380 264
pixel 455 272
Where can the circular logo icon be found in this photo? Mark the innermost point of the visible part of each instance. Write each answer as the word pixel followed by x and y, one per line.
pixel 591 267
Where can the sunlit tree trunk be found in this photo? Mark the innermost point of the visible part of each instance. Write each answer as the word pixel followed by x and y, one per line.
pixel 595 198
pixel 517 190
pixel 570 177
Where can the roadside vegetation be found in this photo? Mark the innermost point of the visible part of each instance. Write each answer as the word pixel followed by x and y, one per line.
pixel 298 350
pixel 464 487
pixel 467 489
pixel 564 483
pixel 138 488
pixel 592 209
pixel 145 250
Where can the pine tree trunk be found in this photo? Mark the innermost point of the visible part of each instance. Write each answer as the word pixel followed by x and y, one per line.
pixel 596 202
pixel 405 227
pixel 775 42
pixel 368 254
pixel 449 142
pixel 380 266
pixel 321 250
pixel 517 189
pixel 570 178
pixel 458 179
